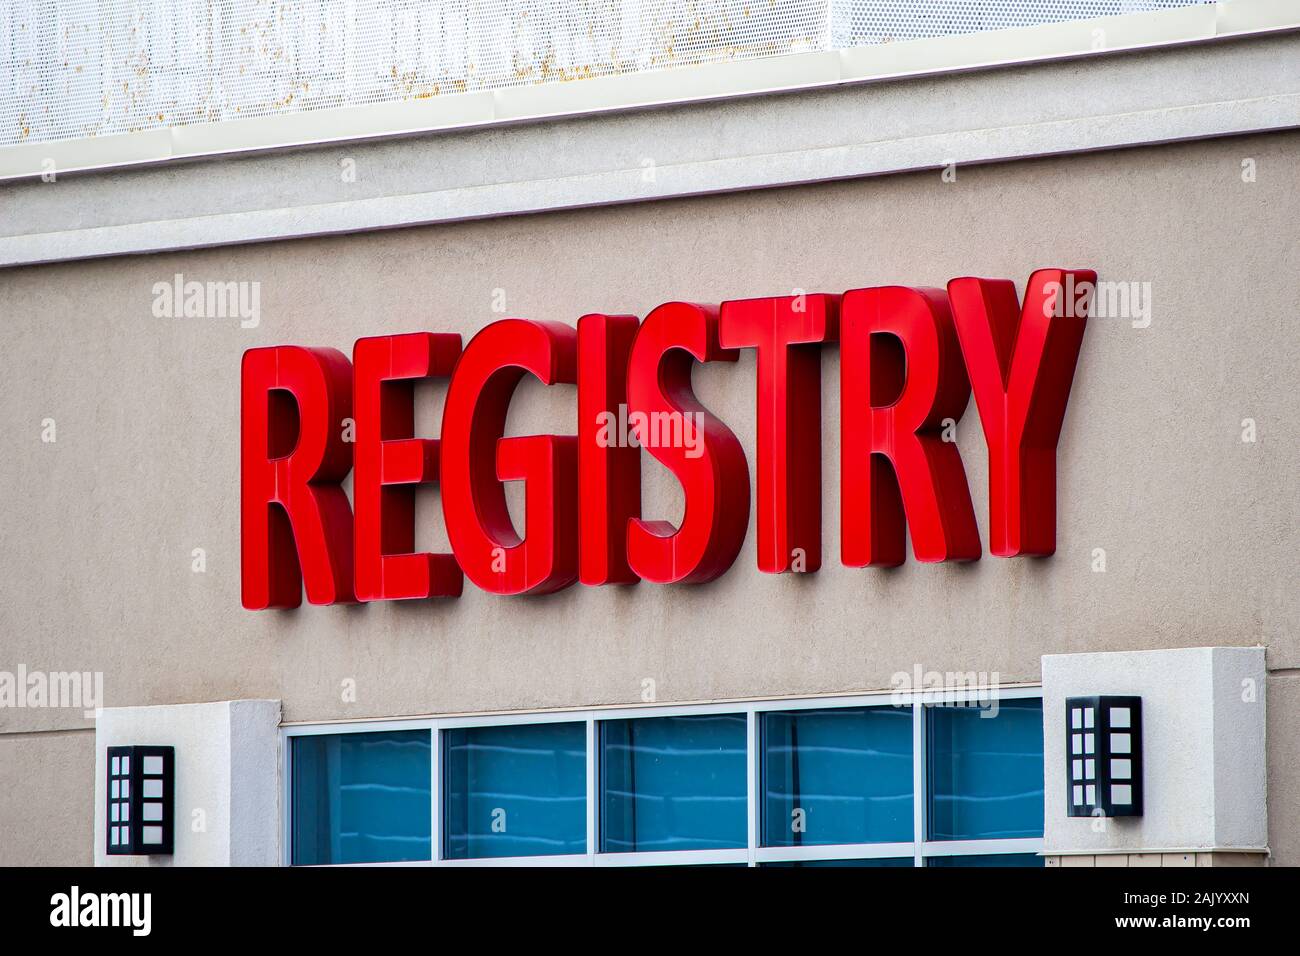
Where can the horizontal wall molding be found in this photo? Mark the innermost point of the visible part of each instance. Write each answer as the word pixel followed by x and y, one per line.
pixel 1160 850
pixel 1237 87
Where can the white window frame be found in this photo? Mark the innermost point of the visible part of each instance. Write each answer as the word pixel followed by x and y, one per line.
pixel 919 848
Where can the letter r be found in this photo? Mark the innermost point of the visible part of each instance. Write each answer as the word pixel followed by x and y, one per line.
pixel 895 465
pixel 296 524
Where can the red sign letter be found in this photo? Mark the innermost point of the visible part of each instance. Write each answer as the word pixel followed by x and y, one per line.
pixel 609 467
pixel 1021 364
pixel 389 463
pixel 787 333
pixel 296 526
pixel 701 451
pixel 476 459
pixel 893 403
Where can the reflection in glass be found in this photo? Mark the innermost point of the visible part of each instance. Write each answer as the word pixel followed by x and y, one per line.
pixel 361 798
pixel 986 772
pixel 840 775
pixel 673 783
pixel 515 791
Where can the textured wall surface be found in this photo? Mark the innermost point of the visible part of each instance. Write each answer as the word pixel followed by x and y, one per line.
pixel 47 794
pixel 1198 527
pixel 1284 768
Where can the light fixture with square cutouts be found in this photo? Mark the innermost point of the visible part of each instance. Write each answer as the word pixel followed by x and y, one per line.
pixel 1103 756
pixel 140 797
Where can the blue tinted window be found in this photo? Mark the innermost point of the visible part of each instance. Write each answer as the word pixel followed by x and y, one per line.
pixel 515 791
pixel 361 798
pixel 892 861
pixel 673 783
pixel 837 776
pixel 986 773
pixel 992 859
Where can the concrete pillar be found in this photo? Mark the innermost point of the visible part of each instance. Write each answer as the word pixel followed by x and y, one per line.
pixel 227 805
pixel 1203 714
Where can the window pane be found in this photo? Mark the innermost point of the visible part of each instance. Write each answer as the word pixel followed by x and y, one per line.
pixel 837 776
pixel 673 783
pixel 986 773
pixel 516 791
pixel 361 798
pixel 883 861
pixel 992 859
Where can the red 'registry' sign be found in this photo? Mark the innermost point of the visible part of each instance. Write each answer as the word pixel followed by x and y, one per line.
pixel 583 519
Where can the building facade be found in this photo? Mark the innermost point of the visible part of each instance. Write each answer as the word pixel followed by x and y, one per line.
pixel 926 713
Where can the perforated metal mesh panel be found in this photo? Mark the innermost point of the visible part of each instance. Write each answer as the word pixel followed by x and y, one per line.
pixel 75 68
pixel 864 22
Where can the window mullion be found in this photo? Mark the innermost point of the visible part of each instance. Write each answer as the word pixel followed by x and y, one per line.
pixel 592 791
pixel 752 776
pixel 918 779
pixel 435 796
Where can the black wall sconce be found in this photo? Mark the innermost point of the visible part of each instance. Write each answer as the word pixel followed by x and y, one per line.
pixel 1103 756
pixel 141 784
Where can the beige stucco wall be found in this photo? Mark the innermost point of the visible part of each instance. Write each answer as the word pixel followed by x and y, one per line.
pixel 47 798
pixel 1199 528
